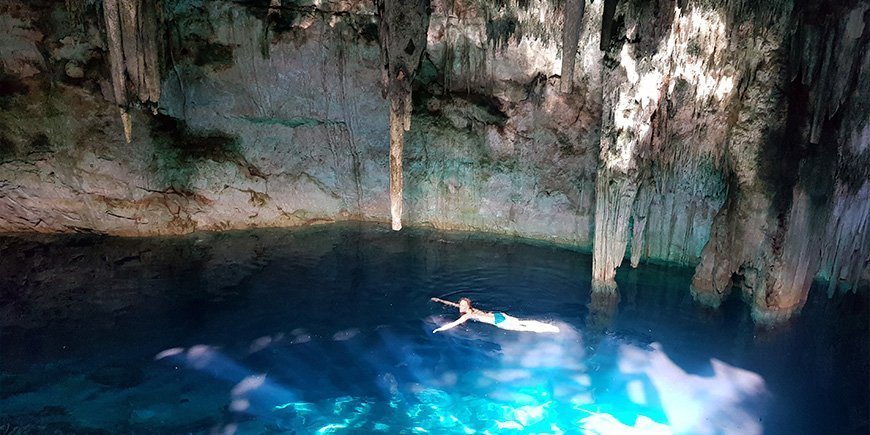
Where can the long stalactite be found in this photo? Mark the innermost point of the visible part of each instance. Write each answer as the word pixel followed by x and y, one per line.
pixel 574 10
pixel 131 35
pixel 111 13
pixel 402 34
pixel 632 91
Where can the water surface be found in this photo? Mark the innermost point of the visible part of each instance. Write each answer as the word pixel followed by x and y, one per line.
pixel 329 330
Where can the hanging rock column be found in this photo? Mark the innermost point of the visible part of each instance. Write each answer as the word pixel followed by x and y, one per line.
pixel 632 89
pixel 826 57
pixel 810 229
pixel 131 34
pixel 784 220
pixel 750 231
pixel 403 29
pixel 574 10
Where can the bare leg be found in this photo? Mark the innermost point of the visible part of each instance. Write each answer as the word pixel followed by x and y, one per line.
pixel 536 326
pixel 514 324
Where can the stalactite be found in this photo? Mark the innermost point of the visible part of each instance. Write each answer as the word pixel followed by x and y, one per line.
pixel 512 21
pixel 769 233
pixel 607 22
pixel 131 33
pixel 615 194
pixel 574 10
pixel 397 138
pixel 639 222
pixel 403 27
pixel 823 56
pixel 633 90
pixel 133 61
pixel 743 233
pixel 795 265
pixel 847 247
pixel 112 16
pixel 777 242
pixel 149 87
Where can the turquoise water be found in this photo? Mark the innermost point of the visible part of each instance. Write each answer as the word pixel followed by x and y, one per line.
pixel 329 330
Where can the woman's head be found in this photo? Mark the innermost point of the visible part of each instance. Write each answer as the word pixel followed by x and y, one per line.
pixel 464 305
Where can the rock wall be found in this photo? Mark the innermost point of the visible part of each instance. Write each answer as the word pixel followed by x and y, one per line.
pixel 735 104
pixel 730 135
pixel 274 116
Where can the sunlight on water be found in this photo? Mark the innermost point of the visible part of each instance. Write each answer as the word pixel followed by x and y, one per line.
pixel 522 383
pixel 329 330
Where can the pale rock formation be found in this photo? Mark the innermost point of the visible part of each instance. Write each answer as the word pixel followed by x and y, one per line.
pixel 694 111
pixel 537 146
pixel 777 239
pixel 630 97
pixel 740 237
pixel 131 36
pixel 403 28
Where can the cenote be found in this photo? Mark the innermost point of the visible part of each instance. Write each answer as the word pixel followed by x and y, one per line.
pixel 231 216
pixel 328 329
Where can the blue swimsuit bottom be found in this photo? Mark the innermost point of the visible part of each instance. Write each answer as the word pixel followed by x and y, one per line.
pixel 499 317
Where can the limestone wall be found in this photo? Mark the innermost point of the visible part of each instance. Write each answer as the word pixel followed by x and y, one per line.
pixel 729 135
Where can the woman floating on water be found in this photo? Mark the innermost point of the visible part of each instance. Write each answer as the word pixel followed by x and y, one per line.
pixel 498 319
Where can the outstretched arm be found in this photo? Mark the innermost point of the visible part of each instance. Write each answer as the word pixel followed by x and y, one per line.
pixel 452 304
pixel 453 324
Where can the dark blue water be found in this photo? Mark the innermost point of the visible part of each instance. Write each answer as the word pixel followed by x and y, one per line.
pixel 328 330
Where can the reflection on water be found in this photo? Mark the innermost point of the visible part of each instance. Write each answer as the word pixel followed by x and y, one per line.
pixel 328 330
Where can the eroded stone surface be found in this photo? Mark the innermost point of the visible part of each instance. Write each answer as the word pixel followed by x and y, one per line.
pixel 717 135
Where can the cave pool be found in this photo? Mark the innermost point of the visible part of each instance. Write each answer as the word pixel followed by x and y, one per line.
pixel 328 329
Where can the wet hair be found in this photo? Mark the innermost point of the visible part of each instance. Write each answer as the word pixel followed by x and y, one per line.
pixel 466 300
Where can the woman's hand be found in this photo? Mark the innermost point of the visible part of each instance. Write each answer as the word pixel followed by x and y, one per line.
pixel 453 324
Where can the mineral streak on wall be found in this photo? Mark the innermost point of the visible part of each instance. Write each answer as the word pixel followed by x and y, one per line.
pixel 403 27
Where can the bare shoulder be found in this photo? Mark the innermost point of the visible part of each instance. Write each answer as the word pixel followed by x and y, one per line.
pixel 482 316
